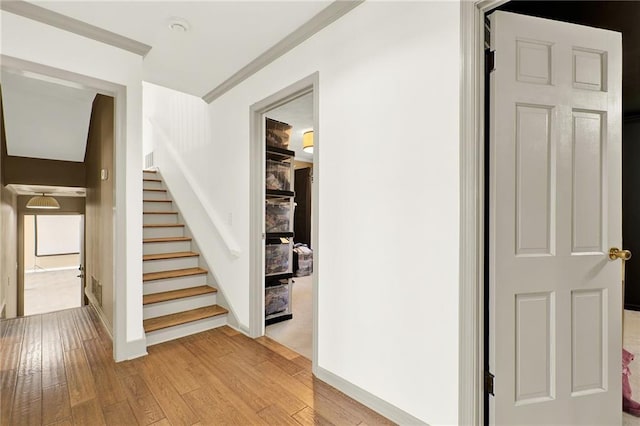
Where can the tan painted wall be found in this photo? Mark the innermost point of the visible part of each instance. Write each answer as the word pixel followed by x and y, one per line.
pixel 8 239
pixel 99 205
pixel 8 252
pixel 36 171
pixel 33 262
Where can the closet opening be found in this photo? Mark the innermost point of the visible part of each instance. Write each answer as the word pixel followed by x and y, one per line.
pixel 284 218
pixel 289 266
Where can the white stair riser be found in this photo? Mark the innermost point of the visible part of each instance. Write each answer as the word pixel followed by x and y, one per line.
pixel 169 284
pixel 172 247
pixel 169 264
pixel 149 175
pixel 163 232
pixel 179 305
pixel 149 184
pixel 154 195
pixel 156 219
pixel 160 206
pixel 171 333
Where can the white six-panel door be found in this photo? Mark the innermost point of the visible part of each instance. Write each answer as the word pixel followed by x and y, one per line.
pixel 555 210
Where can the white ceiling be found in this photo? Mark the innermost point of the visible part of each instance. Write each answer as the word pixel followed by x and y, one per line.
pixel 56 191
pixel 224 36
pixel 299 114
pixel 45 119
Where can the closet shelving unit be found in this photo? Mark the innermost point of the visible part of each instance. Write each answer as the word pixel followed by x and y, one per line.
pixel 279 204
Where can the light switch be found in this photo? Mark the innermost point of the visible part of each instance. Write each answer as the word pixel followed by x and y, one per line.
pixel 104 174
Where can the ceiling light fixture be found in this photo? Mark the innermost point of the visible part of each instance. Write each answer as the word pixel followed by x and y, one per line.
pixel 43 202
pixel 307 141
pixel 179 25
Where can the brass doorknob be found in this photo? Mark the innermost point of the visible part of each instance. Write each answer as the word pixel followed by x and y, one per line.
pixel 616 253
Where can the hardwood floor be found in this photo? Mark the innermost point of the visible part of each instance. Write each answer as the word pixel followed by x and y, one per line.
pixel 57 369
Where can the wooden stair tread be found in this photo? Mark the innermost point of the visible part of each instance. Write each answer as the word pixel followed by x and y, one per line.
pixel 159 212
pixel 163 225
pixel 150 171
pixel 151 180
pixel 174 273
pixel 177 294
pixel 156 201
pixel 159 323
pixel 154 189
pixel 166 239
pixel 175 255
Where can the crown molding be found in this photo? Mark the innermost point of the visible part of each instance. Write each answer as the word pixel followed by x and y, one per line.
pixel 330 14
pixel 58 20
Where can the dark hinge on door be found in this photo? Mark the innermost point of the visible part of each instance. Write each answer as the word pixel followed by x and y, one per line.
pixel 490 60
pixel 488 383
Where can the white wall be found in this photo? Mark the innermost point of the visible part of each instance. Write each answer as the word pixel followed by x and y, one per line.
pixel 39 43
pixel 388 195
pixel 37 111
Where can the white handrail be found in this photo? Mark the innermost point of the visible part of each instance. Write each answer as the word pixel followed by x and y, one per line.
pixel 221 228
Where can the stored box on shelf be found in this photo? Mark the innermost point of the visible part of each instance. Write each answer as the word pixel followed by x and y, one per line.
pixel 278 133
pixel 277 258
pixel 277 299
pixel 278 175
pixel 278 215
pixel 302 260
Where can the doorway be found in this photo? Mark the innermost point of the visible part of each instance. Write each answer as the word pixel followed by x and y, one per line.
pixel 608 16
pixel 53 259
pixel 276 291
pixel 288 305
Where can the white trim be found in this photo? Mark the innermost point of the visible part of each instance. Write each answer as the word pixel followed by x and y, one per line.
pixel 122 349
pixel 326 16
pixel 256 204
pixel 58 20
pixel 136 349
pixel 378 405
pixel 471 228
pixel 472 328
pixel 93 303
pixel 39 271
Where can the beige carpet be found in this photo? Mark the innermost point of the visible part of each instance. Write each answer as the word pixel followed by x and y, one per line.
pixel 51 291
pixel 296 333
pixel 632 344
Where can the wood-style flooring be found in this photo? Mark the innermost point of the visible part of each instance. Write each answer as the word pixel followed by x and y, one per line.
pixel 57 369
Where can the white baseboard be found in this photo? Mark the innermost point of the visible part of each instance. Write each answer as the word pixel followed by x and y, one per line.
pixel 133 349
pixel 103 318
pixel 232 322
pixel 136 348
pixel 378 405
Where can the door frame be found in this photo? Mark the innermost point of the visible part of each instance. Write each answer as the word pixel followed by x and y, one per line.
pixel 256 204
pixel 121 348
pixel 22 212
pixel 472 208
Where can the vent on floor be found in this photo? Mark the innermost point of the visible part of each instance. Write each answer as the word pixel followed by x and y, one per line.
pixel 96 288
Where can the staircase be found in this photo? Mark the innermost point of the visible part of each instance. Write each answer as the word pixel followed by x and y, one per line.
pixel 176 297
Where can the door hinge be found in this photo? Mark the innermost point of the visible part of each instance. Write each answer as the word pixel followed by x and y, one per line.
pixel 488 383
pixel 490 60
